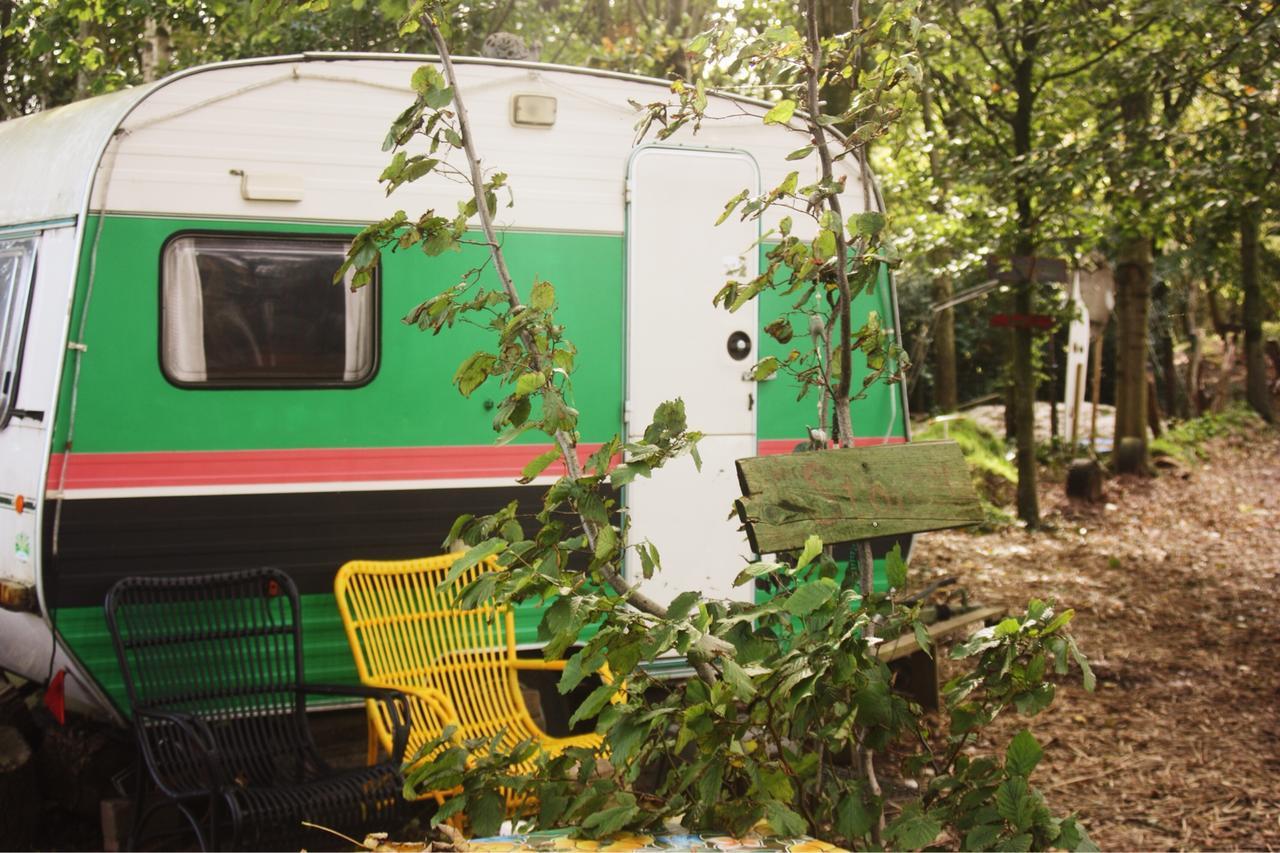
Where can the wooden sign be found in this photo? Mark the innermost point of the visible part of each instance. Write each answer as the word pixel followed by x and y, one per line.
pixel 1022 321
pixel 1027 268
pixel 854 494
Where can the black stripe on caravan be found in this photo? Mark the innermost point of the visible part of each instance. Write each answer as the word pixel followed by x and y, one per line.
pixel 308 535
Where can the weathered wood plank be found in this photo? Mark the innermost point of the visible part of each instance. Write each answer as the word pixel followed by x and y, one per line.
pixel 856 493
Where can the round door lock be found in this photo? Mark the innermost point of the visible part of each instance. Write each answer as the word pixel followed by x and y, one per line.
pixel 739 346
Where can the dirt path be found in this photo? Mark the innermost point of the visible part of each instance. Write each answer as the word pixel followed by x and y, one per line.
pixel 1176 587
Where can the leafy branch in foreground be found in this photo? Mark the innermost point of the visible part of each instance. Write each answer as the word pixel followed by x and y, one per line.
pixel 791 698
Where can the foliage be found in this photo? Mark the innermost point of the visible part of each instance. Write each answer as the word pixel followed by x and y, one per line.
pixel 790 699
pixel 1186 440
pixel 772 740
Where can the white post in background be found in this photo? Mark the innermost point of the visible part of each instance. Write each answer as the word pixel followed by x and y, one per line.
pixel 1077 360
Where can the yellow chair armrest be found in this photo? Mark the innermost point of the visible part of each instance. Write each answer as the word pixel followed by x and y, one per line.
pixel 538 664
pixel 605 675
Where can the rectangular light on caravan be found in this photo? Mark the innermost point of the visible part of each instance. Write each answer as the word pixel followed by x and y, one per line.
pixel 262 186
pixel 533 110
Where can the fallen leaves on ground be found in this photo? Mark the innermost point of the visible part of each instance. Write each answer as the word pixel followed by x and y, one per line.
pixel 1176 585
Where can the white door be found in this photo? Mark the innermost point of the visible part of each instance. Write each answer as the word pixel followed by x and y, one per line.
pixel 680 345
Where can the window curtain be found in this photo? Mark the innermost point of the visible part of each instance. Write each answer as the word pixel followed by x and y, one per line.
pixel 183 303
pixel 359 328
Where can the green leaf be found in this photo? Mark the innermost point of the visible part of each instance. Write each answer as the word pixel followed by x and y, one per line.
pixel 529 382
pixel 1090 682
pixel 853 818
pixel 486 812
pixel 783 820
pixel 543 296
pixel 578 667
pixel 824 245
pixel 982 837
pixel 812 548
pixel 732 204
pixel 1058 621
pixel 606 542
pixel 480 552
pixel 866 224
pixel 594 703
pixel 922 638
pixel 801 153
pixel 737 678
pixel 781 112
pixel 610 820
pixel 895 568
pixel 766 368
pixel 539 464
pixel 1023 754
pixel 473 372
pixel 810 596
pixel 1013 802
pixel 1007 627
pixel 911 830
pixel 681 605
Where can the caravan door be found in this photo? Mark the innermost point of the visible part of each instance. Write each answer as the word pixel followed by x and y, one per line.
pixel 681 345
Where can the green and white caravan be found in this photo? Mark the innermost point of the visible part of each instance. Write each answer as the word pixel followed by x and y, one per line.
pixel 184 391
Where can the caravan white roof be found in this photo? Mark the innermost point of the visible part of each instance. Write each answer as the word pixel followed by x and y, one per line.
pixel 317 122
pixel 48 157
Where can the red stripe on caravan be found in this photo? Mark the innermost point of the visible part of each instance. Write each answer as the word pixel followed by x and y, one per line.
pixel 309 465
pixel 776 446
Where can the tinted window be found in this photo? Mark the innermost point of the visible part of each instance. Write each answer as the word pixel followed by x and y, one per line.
pixel 263 310
pixel 17 260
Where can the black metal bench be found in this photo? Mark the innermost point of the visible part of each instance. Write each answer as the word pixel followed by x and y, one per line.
pixel 212 665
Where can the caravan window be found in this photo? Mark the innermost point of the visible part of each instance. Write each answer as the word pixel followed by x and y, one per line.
pixel 243 311
pixel 17 261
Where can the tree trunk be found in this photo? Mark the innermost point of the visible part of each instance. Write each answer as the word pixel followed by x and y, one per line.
pixel 1133 295
pixel 1024 378
pixel 944 349
pixel 7 110
pixel 1256 386
pixel 944 339
pixel 1195 404
pixel 1172 397
pixel 156 53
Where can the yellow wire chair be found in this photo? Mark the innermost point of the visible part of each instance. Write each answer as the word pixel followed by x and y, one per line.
pixel 458 667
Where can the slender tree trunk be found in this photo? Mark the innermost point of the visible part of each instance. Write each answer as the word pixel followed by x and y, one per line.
pixel 1193 355
pixel 82 75
pixel 1024 379
pixel 1133 291
pixel 156 54
pixel 1133 296
pixel 1170 383
pixel 945 393
pixel 1256 386
pixel 944 322
pixel 7 110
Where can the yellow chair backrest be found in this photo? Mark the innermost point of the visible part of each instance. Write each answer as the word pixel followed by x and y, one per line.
pixel 458 667
pixel 406 630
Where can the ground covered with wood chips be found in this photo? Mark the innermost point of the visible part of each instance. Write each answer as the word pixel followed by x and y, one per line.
pixel 1175 581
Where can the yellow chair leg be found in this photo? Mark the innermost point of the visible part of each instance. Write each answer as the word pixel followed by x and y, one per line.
pixel 372 753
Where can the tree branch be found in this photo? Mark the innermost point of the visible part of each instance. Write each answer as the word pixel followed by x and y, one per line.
pixel 565 441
